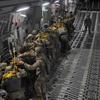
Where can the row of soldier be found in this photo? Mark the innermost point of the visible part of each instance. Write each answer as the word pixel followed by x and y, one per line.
pixel 28 72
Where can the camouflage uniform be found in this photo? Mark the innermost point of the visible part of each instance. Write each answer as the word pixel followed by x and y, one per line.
pixel 42 75
pixel 64 42
pixel 28 57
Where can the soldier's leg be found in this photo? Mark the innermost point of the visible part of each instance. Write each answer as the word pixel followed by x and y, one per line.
pixel 89 29
pixel 38 89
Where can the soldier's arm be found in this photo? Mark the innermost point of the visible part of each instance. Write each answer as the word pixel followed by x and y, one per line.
pixel 72 18
pixel 27 53
pixel 20 55
pixel 37 64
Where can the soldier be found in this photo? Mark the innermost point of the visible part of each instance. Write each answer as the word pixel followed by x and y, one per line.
pixel 52 20
pixel 41 76
pixel 69 25
pixel 64 43
pixel 48 44
pixel 68 28
pixel 87 23
pixel 72 17
pixel 27 55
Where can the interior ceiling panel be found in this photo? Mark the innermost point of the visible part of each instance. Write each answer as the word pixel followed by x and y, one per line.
pixel 7 6
pixel 8 3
